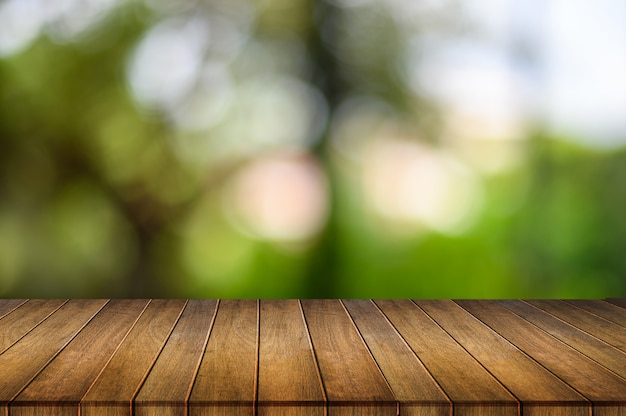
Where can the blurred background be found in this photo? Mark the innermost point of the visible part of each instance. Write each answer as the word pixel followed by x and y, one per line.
pixel 313 148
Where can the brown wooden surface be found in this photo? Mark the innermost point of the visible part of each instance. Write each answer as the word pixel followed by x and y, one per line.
pixel 226 380
pixel 539 390
pixel 9 305
pixel 353 382
pixel 604 388
pixel 59 387
pixel 166 389
pixel 141 348
pixel 415 389
pixel 600 328
pixel 24 360
pixel 288 375
pixel 604 310
pixel 599 351
pixel 472 389
pixel 15 325
pixel 312 357
pixel 621 302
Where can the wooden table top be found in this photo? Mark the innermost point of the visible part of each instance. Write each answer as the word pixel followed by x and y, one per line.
pixel 313 357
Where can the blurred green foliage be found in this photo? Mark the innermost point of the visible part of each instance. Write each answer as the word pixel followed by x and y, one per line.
pixel 96 200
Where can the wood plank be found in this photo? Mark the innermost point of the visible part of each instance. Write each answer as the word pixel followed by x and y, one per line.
pixel 409 380
pixel 9 305
pixel 289 380
pixel 602 309
pixel 605 389
pixel 471 388
pixel 621 302
pixel 114 390
pixel 538 389
pixel 592 347
pixel 226 380
pixel 22 320
pixel 59 387
pixel 600 328
pixel 353 382
pixel 166 389
pixel 24 360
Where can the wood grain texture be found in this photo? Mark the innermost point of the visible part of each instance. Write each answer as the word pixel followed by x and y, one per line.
pixel 471 388
pixel 597 350
pixel 621 302
pixel 312 357
pixel 115 388
pixel 602 309
pixel 600 328
pixel 24 360
pixel 531 383
pixel 412 385
pixel 22 320
pixel 8 305
pixel 352 380
pixel 61 385
pixel 226 380
pixel 289 381
pixel 166 389
pixel 605 389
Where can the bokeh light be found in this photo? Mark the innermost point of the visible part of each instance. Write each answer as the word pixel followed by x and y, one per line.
pixel 414 186
pixel 20 22
pixel 281 198
pixel 167 62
